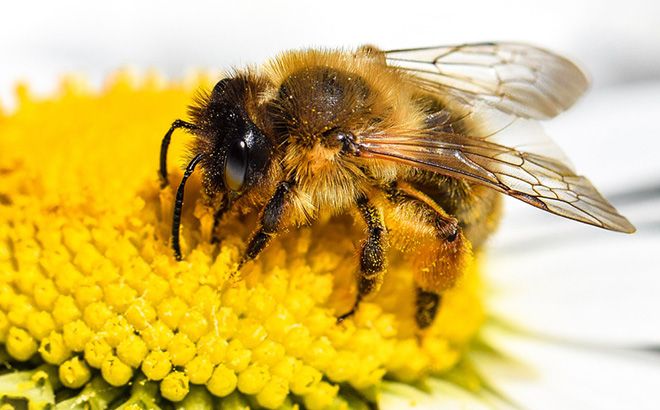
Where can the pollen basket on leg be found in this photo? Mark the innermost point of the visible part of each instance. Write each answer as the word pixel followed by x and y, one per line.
pixel 89 287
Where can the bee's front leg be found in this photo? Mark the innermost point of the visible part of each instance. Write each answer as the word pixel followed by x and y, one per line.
pixel 372 254
pixel 221 210
pixel 269 222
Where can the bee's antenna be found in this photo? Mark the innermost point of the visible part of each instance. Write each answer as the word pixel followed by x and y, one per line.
pixel 178 205
pixel 165 144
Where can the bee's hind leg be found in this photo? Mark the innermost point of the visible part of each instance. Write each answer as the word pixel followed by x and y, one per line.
pixel 437 249
pixel 426 307
pixel 372 254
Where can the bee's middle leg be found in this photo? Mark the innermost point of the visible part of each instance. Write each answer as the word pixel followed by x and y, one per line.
pixel 372 254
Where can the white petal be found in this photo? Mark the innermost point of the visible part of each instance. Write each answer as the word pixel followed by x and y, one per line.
pixel 570 377
pixel 597 288
pixel 441 394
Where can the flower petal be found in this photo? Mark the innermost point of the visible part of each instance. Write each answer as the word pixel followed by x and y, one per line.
pixel 570 377
pixel 595 287
pixel 441 394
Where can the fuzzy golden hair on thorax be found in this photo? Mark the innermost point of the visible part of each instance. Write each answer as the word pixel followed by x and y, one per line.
pixel 317 95
pixel 378 90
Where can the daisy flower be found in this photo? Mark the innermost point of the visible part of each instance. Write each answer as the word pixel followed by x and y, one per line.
pixel 96 313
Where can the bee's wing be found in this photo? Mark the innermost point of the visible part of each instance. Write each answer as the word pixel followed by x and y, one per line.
pixel 540 180
pixel 517 79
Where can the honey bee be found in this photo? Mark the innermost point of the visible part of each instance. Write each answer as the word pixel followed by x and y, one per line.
pixel 419 144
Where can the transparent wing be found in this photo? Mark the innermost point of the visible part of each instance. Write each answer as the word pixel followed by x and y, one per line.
pixel 542 181
pixel 517 79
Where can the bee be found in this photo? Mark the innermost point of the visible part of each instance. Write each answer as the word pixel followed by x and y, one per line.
pixel 418 144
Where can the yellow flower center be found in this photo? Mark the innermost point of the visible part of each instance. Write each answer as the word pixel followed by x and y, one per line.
pixel 88 283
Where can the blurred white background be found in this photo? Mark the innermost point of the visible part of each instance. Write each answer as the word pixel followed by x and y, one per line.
pixel 563 279
pixel 616 41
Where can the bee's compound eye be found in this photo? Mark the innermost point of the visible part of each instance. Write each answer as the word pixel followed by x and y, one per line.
pixel 236 165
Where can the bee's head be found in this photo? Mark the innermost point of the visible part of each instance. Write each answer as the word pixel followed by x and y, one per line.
pixel 236 151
